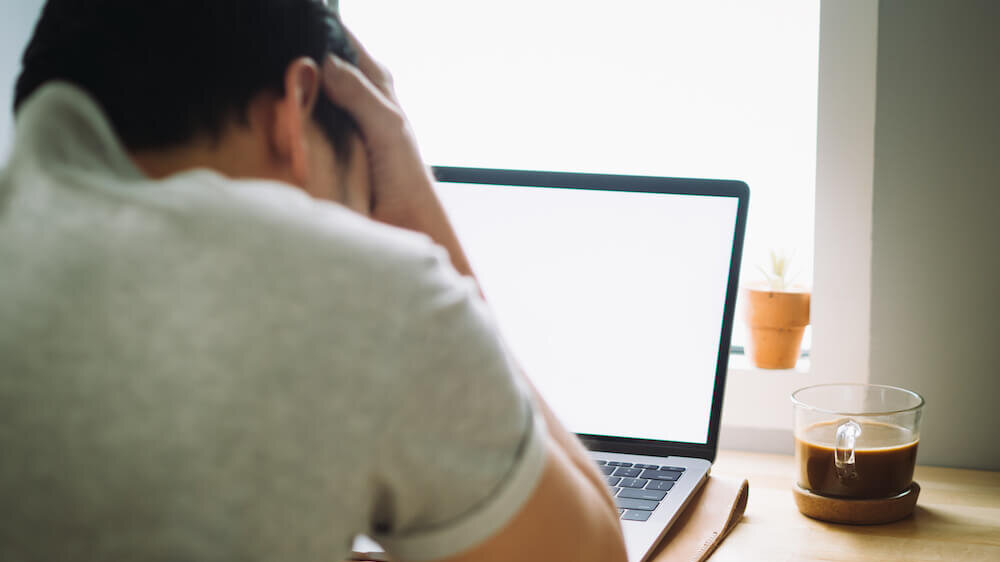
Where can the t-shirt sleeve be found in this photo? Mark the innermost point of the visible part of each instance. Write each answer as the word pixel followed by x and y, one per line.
pixel 462 448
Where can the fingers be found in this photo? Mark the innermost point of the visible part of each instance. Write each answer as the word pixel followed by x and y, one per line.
pixel 348 87
pixel 374 71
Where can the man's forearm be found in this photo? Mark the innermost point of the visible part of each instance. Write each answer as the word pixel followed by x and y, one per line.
pixel 424 213
pixel 570 444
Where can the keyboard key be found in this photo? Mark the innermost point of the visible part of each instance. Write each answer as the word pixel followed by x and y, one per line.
pixel 659 474
pixel 600 462
pixel 634 515
pixel 619 463
pixel 629 503
pixel 628 472
pixel 607 470
pixel 660 485
pixel 614 480
pixel 651 495
pixel 674 468
pixel 638 465
pixel 621 512
pixel 633 482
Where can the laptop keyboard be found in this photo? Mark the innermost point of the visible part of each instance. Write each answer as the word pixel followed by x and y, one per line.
pixel 638 488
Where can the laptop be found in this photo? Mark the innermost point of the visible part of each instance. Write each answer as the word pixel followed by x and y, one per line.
pixel 616 295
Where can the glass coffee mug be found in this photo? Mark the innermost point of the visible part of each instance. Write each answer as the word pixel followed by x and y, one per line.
pixel 856 441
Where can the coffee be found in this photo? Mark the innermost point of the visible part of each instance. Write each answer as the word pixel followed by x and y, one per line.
pixel 884 457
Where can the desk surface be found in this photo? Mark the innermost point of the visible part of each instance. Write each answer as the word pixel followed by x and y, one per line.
pixel 957 518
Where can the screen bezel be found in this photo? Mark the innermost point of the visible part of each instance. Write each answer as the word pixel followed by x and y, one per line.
pixel 643 184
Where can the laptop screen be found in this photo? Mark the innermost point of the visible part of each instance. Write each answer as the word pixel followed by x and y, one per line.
pixel 612 301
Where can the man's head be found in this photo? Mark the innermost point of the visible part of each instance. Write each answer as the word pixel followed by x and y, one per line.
pixel 172 75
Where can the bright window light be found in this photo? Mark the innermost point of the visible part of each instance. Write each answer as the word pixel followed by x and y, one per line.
pixel 714 89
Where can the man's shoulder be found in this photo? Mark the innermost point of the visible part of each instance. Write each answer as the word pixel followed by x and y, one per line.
pixel 255 215
pixel 205 226
pixel 291 233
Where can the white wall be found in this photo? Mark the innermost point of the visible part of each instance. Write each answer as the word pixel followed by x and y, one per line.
pixel 16 25
pixel 936 235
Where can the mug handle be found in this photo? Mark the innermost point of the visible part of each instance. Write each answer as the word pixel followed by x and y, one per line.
pixel 843 449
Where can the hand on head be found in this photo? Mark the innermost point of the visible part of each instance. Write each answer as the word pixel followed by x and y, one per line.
pixel 400 181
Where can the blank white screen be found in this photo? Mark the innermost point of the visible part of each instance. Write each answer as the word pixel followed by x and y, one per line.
pixel 611 301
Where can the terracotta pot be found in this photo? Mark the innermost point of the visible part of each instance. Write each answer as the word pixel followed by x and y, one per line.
pixel 777 320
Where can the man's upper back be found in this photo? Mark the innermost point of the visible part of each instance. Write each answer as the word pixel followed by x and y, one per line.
pixel 219 369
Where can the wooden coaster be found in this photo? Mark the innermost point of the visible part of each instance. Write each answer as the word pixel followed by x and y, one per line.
pixel 857 512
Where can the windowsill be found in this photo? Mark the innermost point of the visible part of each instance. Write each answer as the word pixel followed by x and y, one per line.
pixel 760 398
pixel 740 363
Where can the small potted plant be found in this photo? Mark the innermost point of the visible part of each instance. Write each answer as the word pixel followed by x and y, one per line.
pixel 777 314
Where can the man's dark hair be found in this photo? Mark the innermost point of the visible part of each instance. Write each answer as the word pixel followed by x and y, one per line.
pixel 166 71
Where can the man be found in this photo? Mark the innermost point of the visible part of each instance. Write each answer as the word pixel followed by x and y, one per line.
pixel 235 323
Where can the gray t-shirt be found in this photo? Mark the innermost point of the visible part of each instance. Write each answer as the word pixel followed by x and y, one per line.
pixel 207 369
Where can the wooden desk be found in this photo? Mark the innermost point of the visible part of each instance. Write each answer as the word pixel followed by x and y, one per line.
pixel 957 518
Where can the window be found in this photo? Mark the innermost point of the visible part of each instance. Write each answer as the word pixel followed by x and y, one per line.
pixel 711 89
pixel 836 139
